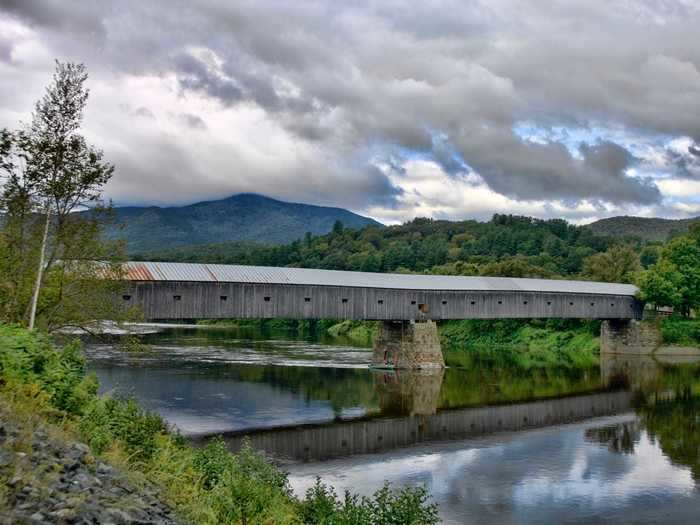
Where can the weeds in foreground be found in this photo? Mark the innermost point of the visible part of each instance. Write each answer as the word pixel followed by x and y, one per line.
pixel 207 485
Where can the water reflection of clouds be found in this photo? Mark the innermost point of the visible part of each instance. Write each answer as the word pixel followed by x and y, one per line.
pixel 599 479
pixel 541 477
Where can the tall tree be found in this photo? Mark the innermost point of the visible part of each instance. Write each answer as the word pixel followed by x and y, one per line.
pixel 51 172
pixel 619 264
pixel 66 172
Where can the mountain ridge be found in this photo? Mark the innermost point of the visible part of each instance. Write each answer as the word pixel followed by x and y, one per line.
pixel 646 228
pixel 239 217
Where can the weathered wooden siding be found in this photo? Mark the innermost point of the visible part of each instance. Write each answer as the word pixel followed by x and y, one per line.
pixel 197 300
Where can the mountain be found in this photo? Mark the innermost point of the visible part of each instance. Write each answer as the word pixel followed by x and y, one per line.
pixel 242 217
pixel 650 229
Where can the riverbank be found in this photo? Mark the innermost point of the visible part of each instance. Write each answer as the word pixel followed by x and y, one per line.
pixel 203 486
pixel 49 476
pixel 520 343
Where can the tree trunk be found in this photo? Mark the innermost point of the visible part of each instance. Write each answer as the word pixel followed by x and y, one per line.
pixel 40 270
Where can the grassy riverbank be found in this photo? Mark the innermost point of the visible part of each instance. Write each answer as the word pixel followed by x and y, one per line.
pixel 207 485
pixel 523 344
pixel 681 331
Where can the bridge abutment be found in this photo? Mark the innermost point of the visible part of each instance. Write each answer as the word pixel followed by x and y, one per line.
pixel 407 344
pixel 629 336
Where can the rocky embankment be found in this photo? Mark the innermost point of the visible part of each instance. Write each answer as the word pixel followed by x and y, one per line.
pixel 45 477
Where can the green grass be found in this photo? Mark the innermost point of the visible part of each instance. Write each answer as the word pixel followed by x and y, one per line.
pixel 362 332
pixel 522 344
pixel 207 485
pixel 681 331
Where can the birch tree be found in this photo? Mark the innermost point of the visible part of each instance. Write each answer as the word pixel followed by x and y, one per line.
pixel 51 172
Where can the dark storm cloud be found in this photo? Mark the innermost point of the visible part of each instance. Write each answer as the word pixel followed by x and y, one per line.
pixel 196 75
pixel 342 78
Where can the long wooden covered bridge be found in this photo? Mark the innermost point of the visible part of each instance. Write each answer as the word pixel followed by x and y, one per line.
pixel 168 291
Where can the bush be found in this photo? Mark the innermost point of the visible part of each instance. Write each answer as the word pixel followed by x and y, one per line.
pixel 681 331
pixel 521 344
pixel 60 373
pixel 107 421
pixel 408 506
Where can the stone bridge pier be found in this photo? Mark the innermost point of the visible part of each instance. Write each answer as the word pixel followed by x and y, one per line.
pixel 407 344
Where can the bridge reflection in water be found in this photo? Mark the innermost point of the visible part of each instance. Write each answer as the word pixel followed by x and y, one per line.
pixel 413 396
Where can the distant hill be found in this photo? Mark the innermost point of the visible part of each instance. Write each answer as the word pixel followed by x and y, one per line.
pixel 242 217
pixel 650 229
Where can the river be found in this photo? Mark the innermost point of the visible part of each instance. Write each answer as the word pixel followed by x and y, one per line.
pixel 617 442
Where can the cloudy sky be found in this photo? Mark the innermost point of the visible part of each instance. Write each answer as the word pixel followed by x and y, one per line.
pixel 393 109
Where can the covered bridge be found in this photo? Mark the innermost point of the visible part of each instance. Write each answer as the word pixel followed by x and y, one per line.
pixel 406 303
pixel 213 291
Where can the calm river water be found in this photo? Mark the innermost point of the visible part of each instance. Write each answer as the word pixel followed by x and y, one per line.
pixel 620 442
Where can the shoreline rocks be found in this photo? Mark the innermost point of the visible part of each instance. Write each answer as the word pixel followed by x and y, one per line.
pixel 45 478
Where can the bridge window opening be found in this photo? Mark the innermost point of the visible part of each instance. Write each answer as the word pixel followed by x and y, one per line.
pixel 223 297
pixel 500 302
pixel 126 297
pixel 177 298
pixel 524 302
pixel 344 300
pixel 473 302
pixel 413 302
pixel 380 301
pixel 571 304
pixel 612 304
pixel 592 304
pixel 423 308
pixel 444 302
pixel 266 299
pixel 549 303
pixel 307 299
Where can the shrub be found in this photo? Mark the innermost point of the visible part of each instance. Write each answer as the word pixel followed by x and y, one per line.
pixel 408 506
pixel 677 330
pixel 26 357
pixel 107 420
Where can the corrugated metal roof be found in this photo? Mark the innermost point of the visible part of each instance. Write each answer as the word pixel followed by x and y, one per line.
pixel 165 271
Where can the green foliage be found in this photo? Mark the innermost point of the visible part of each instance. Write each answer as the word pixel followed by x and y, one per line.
pixel 108 420
pixel 360 331
pixel 680 331
pixel 60 374
pixel 650 229
pixel 48 171
pixel 675 279
pixel 506 245
pixel 209 485
pixel 520 344
pixel 408 506
pixel 619 264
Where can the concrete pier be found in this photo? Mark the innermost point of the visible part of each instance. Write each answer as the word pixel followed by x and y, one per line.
pixel 407 344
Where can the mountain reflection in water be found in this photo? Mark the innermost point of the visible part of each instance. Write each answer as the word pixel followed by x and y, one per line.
pixel 618 442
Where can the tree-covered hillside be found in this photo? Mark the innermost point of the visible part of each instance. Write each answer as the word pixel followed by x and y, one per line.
pixel 242 217
pixel 645 228
pixel 507 245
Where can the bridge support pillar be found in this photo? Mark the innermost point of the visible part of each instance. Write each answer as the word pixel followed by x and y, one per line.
pixel 407 344
pixel 629 336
